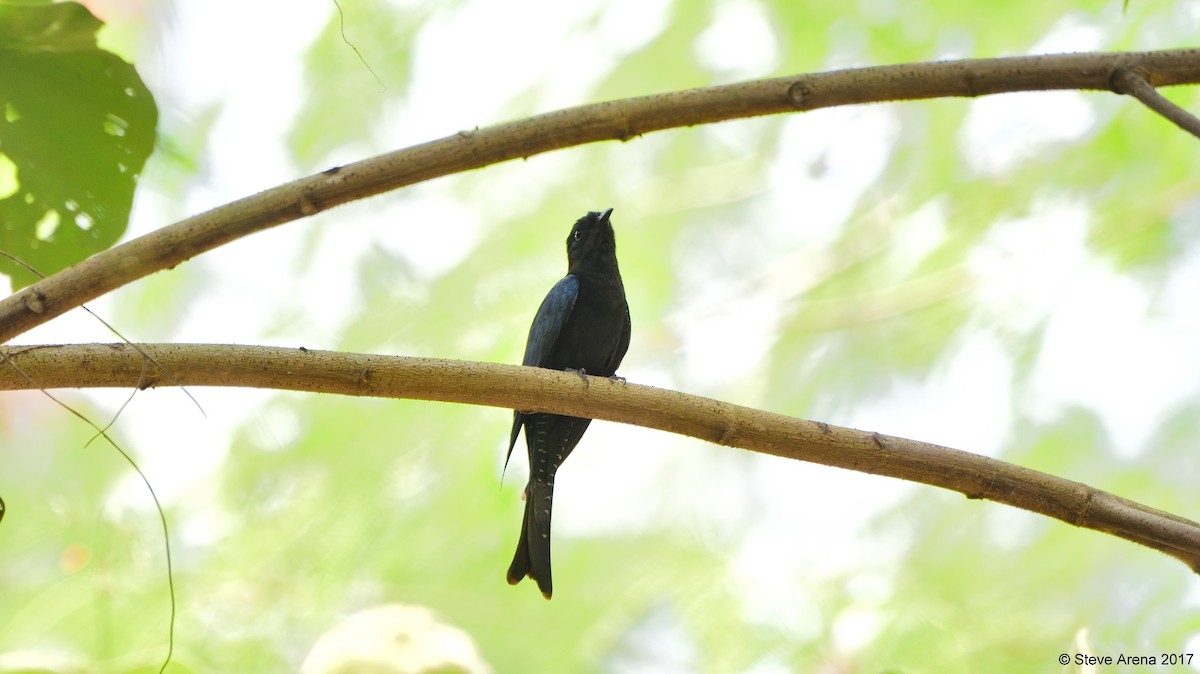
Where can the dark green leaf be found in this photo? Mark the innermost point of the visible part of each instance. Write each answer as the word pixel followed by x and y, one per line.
pixel 77 127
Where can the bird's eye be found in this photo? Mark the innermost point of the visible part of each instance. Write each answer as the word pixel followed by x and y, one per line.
pixel 578 235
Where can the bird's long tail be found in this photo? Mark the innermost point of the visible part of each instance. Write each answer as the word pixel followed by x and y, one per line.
pixel 533 549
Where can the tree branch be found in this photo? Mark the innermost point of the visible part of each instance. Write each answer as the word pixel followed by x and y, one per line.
pixel 615 120
pixel 533 389
pixel 1129 80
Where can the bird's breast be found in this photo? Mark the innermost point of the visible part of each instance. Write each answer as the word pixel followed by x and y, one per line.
pixel 594 329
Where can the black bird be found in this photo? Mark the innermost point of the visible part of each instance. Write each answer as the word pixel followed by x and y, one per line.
pixel 582 326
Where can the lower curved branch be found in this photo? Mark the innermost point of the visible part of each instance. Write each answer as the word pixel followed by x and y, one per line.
pixel 533 389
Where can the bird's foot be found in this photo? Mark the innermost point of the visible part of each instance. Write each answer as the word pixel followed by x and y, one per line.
pixel 618 378
pixel 582 374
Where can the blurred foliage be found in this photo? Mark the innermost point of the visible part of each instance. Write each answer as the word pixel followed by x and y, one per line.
pixel 77 128
pixel 359 62
pixel 849 257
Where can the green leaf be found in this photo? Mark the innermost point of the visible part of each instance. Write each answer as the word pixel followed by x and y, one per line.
pixel 77 127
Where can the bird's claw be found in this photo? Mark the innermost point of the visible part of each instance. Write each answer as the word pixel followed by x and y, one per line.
pixel 582 375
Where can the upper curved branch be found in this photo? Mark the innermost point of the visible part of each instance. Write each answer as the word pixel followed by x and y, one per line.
pixel 614 120
pixel 533 389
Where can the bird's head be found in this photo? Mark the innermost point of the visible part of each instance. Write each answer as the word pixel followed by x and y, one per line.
pixel 591 238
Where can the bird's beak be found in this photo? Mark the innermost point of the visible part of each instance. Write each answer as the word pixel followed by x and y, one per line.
pixel 605 214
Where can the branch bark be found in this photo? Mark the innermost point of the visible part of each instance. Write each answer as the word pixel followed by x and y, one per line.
pixel 615 120
pixel 1129 80
pixel 533 389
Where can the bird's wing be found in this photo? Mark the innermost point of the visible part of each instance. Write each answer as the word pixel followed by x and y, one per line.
pixel 543 335
pixel 549 321
pixel 622 346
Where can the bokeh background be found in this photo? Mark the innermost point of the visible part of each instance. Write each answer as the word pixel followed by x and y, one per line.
pixel 1013 276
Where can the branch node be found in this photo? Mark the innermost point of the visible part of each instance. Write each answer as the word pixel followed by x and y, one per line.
pixel 307 207
pixel 1133 81
pixel 728 428
pixel 364 377
pixel 798 94
pixel 627 133
pixel 878 440
pixel 984 493
pixel 1125 79
pixel 35 301
pixel 1081 516
pixel 969 81
pixel 725 437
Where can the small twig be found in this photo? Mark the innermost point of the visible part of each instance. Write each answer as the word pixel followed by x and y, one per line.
pixel 1132 82
pixel 103 432
pixel 31 269
pixel 342 28
pixel 162 516
pixel 132 392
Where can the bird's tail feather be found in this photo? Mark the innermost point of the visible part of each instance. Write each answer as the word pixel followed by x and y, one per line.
pixel 532 558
